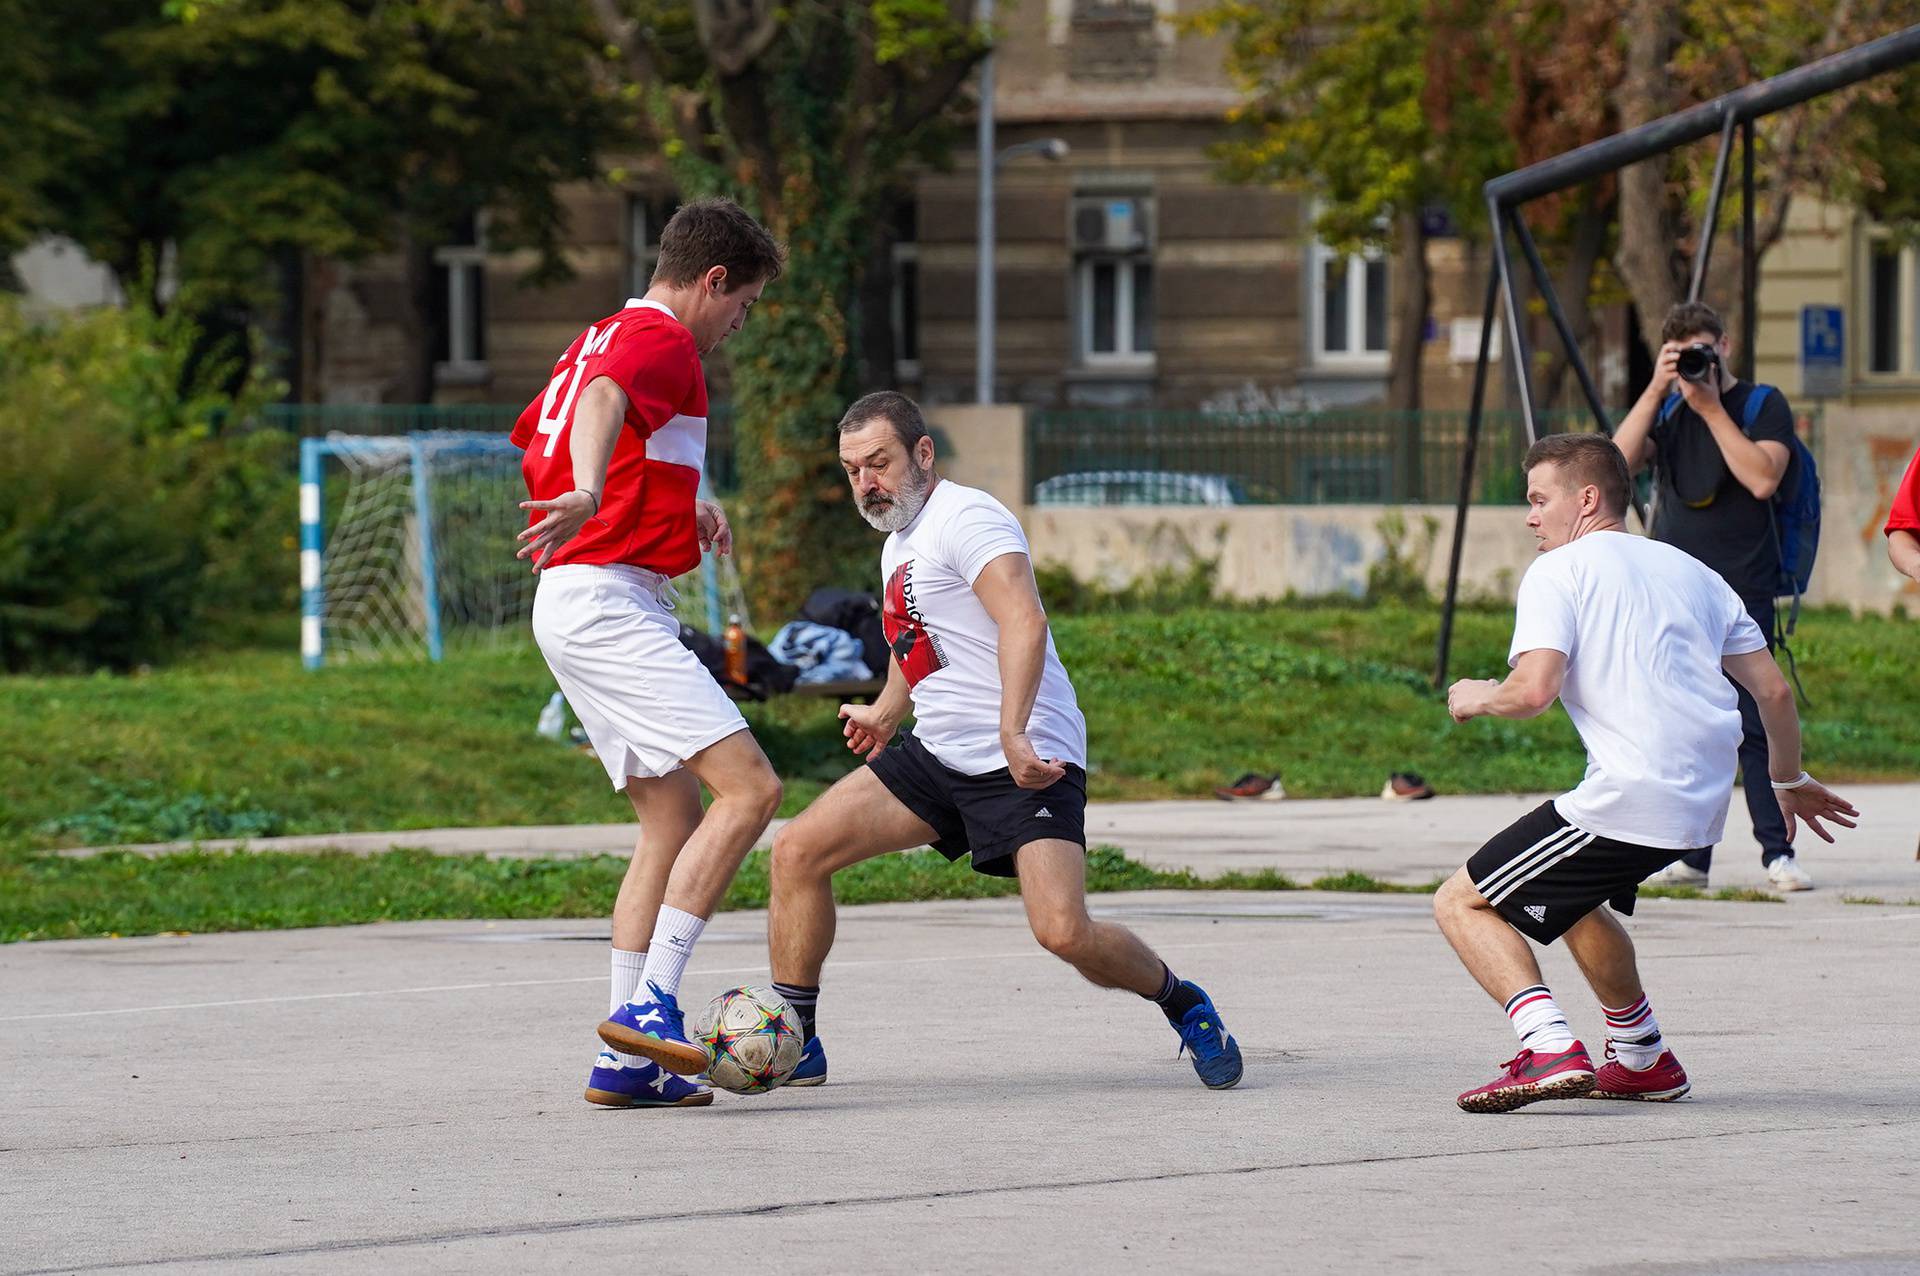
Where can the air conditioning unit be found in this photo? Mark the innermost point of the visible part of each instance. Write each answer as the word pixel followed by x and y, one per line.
pixel 1110 225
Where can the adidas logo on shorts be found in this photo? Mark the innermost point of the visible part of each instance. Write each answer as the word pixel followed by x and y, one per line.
pixel 1043 814
pixel 1536 911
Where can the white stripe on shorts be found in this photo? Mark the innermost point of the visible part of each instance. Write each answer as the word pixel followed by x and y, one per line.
pixel 1541 852
pixel 1546 860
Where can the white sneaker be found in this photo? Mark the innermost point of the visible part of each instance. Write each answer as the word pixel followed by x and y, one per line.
pixel 1785 874
pixel 1678 873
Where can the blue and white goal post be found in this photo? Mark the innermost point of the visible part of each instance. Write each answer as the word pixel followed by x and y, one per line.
pixel 407 548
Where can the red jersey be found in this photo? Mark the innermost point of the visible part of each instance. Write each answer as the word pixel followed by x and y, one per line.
pixel 1905 514
pixel 646 510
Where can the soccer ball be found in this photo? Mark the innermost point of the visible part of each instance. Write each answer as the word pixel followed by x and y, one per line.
pixel 752 1038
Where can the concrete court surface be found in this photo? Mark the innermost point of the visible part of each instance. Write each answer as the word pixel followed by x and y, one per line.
pixel 406 1098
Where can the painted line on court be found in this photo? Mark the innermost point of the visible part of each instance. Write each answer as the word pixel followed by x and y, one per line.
pixel 1035 952
pixel 790 1208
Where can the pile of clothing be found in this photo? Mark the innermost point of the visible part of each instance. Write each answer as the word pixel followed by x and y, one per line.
pixel 836 638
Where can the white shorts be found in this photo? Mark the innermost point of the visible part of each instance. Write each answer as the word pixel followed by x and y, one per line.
pixel 613 644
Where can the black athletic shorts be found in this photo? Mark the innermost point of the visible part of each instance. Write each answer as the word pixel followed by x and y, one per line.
pixel 1543 874
pixel 988 815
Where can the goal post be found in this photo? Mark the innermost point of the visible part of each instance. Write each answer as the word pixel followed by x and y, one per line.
pixel 407 547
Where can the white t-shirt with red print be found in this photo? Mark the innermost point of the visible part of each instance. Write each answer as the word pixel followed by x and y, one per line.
pixel 949 647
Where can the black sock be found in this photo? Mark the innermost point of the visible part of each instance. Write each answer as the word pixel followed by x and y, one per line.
pixel 1174 997
pixel 805 1002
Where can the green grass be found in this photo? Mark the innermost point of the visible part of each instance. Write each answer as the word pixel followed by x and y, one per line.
pixel 1332 697
pixel 1732 894
pixel 62 897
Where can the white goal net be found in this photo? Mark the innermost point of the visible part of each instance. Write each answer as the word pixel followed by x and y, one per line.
pixel 407 549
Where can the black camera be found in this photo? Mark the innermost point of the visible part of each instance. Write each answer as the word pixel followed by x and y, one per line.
pixel 1699 362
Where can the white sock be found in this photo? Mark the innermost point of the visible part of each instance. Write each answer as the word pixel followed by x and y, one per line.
pixel 1538 1021
pixel 674 935
pixel 1635 1034
pixel 626 977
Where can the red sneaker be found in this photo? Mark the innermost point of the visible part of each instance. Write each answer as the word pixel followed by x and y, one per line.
pixel 1664 1082
pixel 1531 1077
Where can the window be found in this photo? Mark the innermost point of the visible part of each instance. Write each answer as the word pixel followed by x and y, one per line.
pixel 646 218
pixel 906 295
pixel 460 304
pixel 1349 308
pixel 1890 334
pixel 1113 280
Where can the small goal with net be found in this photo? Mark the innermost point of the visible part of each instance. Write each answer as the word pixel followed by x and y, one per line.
pixel 407 549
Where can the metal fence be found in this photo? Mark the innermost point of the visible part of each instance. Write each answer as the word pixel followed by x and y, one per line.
pixel 1278 458
pixel 318 420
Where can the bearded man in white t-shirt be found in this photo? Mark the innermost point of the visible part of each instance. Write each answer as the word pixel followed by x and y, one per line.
pixel 994 768
pixel 1632 636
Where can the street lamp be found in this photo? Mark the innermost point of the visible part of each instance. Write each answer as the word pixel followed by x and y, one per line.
pixel 1052 148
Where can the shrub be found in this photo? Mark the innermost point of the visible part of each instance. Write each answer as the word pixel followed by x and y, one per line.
pixel 124 503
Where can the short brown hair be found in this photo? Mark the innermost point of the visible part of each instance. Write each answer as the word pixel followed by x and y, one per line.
pixel 896 409
pixel 717 232
pixel 1689 317
pixel 1587 458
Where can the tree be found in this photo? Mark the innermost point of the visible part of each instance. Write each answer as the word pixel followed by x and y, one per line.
pixel 233 139
pixel 1381 112
pixel 1681 54
pixel 807 114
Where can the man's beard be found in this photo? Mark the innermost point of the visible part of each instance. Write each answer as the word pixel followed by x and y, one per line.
pixel 891 514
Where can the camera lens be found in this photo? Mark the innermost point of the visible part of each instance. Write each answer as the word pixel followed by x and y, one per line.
pixel 1696 362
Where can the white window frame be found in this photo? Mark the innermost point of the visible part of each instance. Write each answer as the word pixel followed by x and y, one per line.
pixel 1356 355
pixel 643 240
pixel 905 253
pixel 1906 313
pixel 1125 319
pixel 1123 357
pixel 466 267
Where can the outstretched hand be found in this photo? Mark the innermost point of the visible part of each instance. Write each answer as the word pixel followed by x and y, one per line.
pixel 1813 802
pixel 568 513
pixel 867 729
pixel 716 533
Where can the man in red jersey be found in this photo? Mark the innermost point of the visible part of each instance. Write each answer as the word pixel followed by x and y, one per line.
pixel 614 448
pixel 1903 523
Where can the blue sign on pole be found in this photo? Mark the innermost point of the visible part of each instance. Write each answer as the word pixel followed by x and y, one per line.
pixel 1823 371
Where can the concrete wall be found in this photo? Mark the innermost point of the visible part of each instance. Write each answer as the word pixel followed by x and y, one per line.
pixel 1269 551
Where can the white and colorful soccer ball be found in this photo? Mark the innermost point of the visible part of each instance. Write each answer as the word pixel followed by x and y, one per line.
pixel 752 1039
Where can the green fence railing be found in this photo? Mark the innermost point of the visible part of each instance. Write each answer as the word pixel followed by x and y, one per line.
pixel 317 420
pixel 1277 458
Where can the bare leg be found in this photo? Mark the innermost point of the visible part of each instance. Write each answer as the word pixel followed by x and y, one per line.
pixel 1493 952
pixel 668 808
pixel 1605 952
pixel 746 793
pixel 1053 885
pixel 857 819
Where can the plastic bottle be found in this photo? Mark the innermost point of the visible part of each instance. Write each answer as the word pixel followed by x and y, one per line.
pixel 736 651
pixel 553 718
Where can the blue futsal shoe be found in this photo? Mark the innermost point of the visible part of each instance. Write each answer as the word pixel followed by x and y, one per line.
pixel 1216 1055
pixel 655 1029
pixel 812 1069
pixel 648 1086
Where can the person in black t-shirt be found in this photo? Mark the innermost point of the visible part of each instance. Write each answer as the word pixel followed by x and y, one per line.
pixel 1715 475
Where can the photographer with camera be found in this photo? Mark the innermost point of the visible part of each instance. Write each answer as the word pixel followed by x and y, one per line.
pixel 1718 456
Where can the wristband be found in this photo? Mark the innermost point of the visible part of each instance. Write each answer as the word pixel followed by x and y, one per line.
pixel 590 493
pixel 1797 782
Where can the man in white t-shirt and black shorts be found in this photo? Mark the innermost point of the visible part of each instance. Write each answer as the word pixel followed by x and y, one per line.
pixel 1632 636
pixel 994 769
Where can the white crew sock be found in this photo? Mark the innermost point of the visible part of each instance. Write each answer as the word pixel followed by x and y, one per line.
pixel 674 935
pixel 1538 1021
pixel 1635 1034
pixel 626 978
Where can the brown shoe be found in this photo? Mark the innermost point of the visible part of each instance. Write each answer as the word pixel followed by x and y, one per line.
pixel 1406 786
pixel 1264 788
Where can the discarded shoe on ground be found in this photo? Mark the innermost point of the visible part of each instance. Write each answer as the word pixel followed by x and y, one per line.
pixel 1253 786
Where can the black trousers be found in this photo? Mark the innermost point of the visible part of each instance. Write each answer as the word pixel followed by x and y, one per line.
pixel 1769 826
